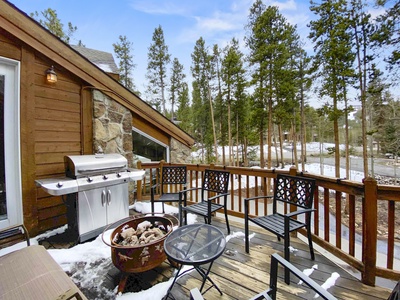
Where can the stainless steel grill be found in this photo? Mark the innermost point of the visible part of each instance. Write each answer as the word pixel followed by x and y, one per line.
pixel 95 190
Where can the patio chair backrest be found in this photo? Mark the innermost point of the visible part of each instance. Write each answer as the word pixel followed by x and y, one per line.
pixel 295 190
pixel 215 181
pixel 173 175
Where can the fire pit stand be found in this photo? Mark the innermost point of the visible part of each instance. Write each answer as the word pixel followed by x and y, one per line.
pixel 138 258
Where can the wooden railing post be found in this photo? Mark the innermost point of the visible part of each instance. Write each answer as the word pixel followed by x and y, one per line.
pixel 293 171
pixel 370 230
pixel 139 183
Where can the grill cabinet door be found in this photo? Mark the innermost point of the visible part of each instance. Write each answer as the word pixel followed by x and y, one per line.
pixel 91 210
pixel 117 202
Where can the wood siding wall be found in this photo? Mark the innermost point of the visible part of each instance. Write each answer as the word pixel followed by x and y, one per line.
pixel 52 126
pixel 56 120
pixel 58 132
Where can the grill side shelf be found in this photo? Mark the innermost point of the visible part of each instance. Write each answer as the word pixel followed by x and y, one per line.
pixel 58 186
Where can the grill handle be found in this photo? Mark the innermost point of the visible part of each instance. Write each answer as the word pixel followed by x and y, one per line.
pixel 103 198
pixel 91 171
pixel 108 197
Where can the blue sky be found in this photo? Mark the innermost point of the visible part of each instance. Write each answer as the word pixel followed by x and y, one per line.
pixel 101 22
pixel 183 21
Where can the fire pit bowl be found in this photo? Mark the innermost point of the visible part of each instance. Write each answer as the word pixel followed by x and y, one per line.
pixel 144 257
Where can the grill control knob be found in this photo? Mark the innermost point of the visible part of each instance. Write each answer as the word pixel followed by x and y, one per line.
pixel 119 175
pixel 60 184
pixel 105 177
pixel 89 179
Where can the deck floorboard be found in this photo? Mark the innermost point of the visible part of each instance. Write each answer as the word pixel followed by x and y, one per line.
pixel 240 275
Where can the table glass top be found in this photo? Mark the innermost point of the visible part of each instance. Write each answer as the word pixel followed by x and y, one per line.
pixel 195 244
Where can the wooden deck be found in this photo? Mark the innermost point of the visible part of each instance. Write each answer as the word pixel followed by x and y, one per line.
pixel 240 275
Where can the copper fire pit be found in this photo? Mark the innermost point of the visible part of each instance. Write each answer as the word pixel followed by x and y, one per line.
pixel 139 258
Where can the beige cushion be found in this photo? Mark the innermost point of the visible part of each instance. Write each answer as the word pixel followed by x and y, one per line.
pixel 31 273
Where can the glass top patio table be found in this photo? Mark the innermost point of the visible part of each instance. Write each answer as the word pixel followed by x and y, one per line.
pixel 196 245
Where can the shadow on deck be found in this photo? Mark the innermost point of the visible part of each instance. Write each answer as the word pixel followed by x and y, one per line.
pixel 241 276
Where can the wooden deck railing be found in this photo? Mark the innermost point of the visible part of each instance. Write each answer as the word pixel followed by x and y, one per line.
pixel 345 222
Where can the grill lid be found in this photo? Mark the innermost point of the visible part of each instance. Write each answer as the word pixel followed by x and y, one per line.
pixel 84 165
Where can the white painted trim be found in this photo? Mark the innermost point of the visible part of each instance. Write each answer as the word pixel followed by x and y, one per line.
pixel 12 137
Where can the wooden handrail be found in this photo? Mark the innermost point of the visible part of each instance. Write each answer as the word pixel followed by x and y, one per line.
pixel 363 199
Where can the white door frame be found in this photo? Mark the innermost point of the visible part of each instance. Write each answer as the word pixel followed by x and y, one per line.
pixel 12 153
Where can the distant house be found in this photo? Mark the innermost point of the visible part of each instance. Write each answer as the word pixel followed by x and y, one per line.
pixel 101 59
pixel 86 109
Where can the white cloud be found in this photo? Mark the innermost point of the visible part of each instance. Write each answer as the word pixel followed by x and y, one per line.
pixel 162 7
pixel 288 5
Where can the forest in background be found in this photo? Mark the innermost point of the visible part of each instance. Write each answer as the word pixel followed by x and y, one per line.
pixel 262 97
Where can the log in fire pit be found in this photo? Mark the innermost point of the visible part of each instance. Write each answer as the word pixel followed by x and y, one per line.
pixel 137 245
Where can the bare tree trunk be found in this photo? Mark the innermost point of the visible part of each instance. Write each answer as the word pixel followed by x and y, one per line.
pixel 223 147
pixel 362 76
pixel 262 160
pixel 163 97
pixel 213 123
pixel 245 158
pixel 276 148
pixel 347 145
pixel 294 138
pixel 303 155
pixel 281 144
pixel 237 141
pixel 230 150
pixel 270 124
pixel 337 150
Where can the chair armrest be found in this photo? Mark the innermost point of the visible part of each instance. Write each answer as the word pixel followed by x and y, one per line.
pixel 184 190
pixel 298 212
pixel 217 196
pixel 255 198
pixel 153 187
pixel 276 258
pixel 191 189
pixel 15 230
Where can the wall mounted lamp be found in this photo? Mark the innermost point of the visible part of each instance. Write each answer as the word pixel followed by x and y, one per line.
pixel 51 75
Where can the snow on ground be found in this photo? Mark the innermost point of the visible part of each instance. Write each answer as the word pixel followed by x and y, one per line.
pixel 96 254
pixel 314 168
pixel 313 147
pixel 87 262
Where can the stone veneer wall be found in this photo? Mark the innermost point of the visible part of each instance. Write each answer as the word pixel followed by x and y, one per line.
pixel 112 131
pixel 112 127
pixel 179 153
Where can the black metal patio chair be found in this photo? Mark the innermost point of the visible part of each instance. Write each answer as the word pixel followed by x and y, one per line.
pixel 172 185
pixel 214 186
pixel 272 291
pixel 292 190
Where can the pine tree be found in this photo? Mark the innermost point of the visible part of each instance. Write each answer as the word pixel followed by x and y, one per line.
pixel 233 76
pixel 177 84
pixel 272 41
pixel 330 33
pixel 256 42
pixel 157 66
pixel 184 112
pixel 126 66
pixel 200 97
pixel 54 25
pixel 388 33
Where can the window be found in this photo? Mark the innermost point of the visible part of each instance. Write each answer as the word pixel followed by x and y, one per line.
pixel 148 148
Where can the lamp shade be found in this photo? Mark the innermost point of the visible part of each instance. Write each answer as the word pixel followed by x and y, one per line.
pixel 51 75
